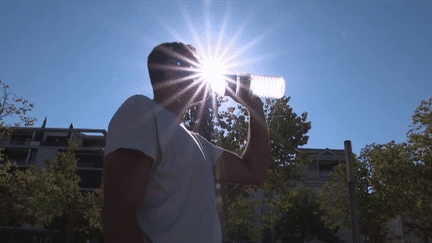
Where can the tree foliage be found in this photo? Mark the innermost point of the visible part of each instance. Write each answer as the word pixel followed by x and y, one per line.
pixel 50 198
pixel 80 212
pixel 242 219
pixel 300 217
pixel 25 197
pixel 9 109
pixel 22 199
pixel 372 210
pixel 287 133
pixel 403 172
pixel 392 179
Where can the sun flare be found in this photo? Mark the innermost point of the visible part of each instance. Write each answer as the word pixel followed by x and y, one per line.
pixel 218 60
pixel 212 72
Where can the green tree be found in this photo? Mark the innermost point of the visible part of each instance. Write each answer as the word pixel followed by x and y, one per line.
pixel 24 197
pixel 400 181
pixel 20 191
pixel 392 179
pixel 41 198
pixel 9 110
pixel 402 172
pixel 242 219
pixel 87 222
pixel 300 218
pixel 50 198
pixel 287 133
pixel 80 212
pixel 373 210
pixel 420 142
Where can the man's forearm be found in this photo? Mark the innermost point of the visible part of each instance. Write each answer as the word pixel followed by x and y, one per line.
pixel 257 152
pixel 118 227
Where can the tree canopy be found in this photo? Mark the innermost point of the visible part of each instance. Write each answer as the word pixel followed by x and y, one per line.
pixel 246 218
pixel 392 179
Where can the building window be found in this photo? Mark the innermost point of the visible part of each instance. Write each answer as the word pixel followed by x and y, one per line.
pixel 20 139
pixel 19 155
pixel 313 166
pixel 327 165
pixel 88 143
pixel 327 153
pixel 90 178
pixel 56 141
pixel 33 153
pixel 88 159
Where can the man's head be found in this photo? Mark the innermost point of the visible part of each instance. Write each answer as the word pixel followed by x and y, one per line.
pixel 173 74
pixel 165 62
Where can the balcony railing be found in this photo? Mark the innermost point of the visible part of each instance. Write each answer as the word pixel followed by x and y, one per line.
pixel 325 175
pixel 18 143
pixel 18 161
pixel 87 145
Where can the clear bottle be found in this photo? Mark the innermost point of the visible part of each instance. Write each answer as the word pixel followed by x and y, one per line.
pixel 258 85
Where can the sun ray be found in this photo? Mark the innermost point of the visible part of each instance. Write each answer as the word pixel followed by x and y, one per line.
pixel 172 53
pixel 172 99
pixel 172 32
pixel 222 31
pixel 256 59
pixel 201 108
pixel 192 29
pixel 208 28
pixel 233 40
pixel 172 82
pixel 176 68
pixel 254 42
pixel 175 96
pixel 237 34
pixel 213 52
pixel 202 85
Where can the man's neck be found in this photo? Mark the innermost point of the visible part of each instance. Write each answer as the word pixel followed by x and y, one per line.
pixel 174 107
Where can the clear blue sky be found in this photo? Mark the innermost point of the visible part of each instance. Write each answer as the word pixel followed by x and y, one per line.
pixel 358 68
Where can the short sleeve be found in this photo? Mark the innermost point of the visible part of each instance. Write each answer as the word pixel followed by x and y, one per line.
pixel 133 126
pixel 212 151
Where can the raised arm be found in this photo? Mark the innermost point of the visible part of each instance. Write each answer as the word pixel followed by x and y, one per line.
pixel 257 152
pixel 251 168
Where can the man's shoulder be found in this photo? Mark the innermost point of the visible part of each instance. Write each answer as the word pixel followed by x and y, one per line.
pixel 138 99
pixel 133 108
pixel 137 103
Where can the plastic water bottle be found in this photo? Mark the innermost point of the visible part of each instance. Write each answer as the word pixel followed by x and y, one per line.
pixel 258 85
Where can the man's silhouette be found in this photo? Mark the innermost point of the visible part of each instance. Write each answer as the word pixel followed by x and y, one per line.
pixel 159 178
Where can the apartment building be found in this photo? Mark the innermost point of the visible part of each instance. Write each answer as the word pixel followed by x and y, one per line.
pixel 32 145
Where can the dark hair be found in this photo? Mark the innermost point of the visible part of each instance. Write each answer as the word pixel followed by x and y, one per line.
pixel 161 54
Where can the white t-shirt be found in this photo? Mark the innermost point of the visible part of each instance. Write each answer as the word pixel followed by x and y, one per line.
pixel 180 203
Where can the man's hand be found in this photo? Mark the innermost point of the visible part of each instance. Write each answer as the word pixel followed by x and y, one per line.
pixel 245 99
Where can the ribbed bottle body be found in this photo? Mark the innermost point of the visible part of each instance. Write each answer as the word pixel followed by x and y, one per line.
pixel 258 85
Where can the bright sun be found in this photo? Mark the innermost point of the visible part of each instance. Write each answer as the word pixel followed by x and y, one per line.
pixel 212 71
